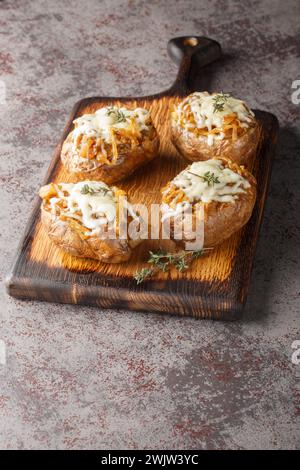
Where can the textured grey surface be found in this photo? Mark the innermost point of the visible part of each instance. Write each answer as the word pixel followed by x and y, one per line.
pixel 84 378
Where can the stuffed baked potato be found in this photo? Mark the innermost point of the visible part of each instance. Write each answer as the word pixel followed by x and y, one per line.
pixel 110 144
pixel 84 219
pixel 208 125
pixel 224 191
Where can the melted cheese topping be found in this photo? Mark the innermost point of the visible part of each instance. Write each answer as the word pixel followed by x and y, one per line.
pixel 168 212
pixel 202 107
pixel 98 206
pixel 194 182
pixel 103 120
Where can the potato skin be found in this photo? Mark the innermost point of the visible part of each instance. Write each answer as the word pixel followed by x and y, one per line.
pixel 69 240
pixel 196 148
pixel 221 220
pixel 93 169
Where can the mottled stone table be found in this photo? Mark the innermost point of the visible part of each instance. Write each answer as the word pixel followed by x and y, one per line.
pixel 84 378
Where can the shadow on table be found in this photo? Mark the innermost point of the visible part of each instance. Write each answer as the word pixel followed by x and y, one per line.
pixel 279 236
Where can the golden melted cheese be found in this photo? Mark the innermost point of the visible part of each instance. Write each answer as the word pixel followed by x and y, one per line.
pixel 98 206
pixel 207 116
pixel 104 119
pixel 209 181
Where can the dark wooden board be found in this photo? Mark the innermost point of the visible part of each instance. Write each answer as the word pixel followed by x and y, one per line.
pixel 217 285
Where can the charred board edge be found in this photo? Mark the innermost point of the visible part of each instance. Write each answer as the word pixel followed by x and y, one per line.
pixel 159 301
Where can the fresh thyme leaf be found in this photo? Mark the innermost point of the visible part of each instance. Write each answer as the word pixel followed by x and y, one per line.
pixel 118 115
pixel 143 274
pixel 163 260
pixel 181 264
pixel 197 253
pixel 208 177
pixel 220 100
pixel 86 189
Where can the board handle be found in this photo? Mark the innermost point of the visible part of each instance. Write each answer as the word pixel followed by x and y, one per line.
pixel 188 50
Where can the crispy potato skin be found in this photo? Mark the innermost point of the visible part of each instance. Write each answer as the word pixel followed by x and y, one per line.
pixel 221 220
pixel 69 240
pixel 65 234
pixel 93 169
pixel 196 148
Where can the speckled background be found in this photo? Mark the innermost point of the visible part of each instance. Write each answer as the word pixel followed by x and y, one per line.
pixel 85 378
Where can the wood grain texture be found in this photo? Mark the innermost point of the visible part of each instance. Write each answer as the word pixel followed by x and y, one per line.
pixel 215 287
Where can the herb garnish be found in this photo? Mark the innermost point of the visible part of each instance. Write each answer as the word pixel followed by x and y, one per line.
pixel 163 260
pixel 220 100
pixel 86 189
pixel 208 177
pixel 118 115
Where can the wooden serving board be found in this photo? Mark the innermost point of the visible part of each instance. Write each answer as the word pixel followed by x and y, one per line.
pixel 215 287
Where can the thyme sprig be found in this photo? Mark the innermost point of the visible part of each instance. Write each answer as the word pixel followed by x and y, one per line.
pixel 163 260
pixel 208 177
pixel 220 100
pixel 117 113
pixel 86 189
pixel 143 274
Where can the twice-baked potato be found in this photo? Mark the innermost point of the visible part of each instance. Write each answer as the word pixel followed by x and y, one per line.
pixel 110 144
pixel 84 219
pixel 209 125
pixel 218 191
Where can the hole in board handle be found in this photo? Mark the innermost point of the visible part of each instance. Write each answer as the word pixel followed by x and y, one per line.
pixel 191 42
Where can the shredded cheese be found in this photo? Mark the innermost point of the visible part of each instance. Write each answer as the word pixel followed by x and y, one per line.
pixel 208 181
pixel 91 206
pixel 199 112
pixel 104 120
